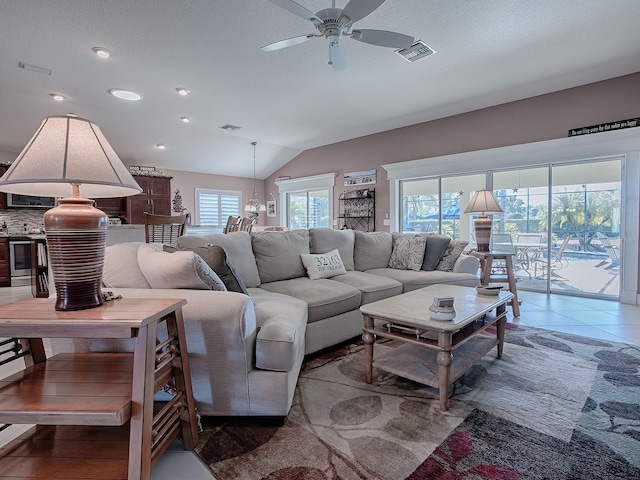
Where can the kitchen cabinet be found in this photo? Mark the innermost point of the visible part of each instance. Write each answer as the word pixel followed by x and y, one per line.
pixel 5 266
pixel 155 198
pixel 114 207
pixel 3 196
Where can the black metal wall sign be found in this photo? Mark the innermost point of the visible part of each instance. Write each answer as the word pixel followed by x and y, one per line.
pixel 605 127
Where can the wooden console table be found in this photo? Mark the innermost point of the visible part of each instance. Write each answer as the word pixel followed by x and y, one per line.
pixel 94 412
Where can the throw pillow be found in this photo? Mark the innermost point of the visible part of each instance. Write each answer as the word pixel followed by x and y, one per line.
pixel 181 269
pixel 451 254
pixel 121 268
pixel 216 257
pixel 436 246
pixel 325 239
pixel 408 253
pixel 323 265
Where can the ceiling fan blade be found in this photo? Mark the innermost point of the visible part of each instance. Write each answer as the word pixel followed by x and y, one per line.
pixel 358 9
pixel 289 42
pixel 337 56
pixel 382 38
pixel 297 9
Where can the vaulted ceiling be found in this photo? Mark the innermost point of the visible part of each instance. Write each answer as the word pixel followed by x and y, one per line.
pixel 488 52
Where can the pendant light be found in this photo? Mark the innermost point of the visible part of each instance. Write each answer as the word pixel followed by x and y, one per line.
pixel 253 206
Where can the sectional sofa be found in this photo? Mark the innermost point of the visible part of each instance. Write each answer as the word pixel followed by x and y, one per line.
pixel 247 344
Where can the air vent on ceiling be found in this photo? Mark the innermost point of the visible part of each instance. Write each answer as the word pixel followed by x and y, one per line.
pixel 416 51
pixel 230 128
pixel 35 68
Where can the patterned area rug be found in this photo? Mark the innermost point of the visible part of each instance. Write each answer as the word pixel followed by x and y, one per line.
pixel 556 406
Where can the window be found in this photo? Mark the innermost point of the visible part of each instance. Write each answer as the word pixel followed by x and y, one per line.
pixel 308 209
pixel 213 207
pixel 308 201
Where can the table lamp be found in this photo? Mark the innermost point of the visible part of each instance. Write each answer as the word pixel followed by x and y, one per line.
pixel 66 152
pixel 482 204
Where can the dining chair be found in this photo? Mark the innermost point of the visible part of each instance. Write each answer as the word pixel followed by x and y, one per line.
pixel 246 224
pixel 164 228
pixel 233 224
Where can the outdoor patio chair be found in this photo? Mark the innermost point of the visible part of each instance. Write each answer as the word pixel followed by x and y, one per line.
pixel 558 261
pixel 502 243
pixel 612 251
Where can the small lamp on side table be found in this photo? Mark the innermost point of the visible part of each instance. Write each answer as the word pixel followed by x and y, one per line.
pixel 482 204
pixel 66 152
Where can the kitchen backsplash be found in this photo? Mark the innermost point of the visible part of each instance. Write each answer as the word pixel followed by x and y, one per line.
pixel 17 218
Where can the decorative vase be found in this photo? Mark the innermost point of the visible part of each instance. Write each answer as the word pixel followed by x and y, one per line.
pixel 76 238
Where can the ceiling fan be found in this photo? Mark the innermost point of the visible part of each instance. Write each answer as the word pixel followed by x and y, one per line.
pixel 335 23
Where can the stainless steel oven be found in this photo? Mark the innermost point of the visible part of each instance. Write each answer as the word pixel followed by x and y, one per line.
pixel 20 255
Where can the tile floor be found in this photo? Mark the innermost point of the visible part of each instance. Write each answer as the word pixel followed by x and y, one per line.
pixel 581 316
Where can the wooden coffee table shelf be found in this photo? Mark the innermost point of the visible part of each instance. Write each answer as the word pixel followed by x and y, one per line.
pixel 428 356
pixel 94 412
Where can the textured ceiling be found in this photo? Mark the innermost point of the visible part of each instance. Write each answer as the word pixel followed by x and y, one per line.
pixel 488 52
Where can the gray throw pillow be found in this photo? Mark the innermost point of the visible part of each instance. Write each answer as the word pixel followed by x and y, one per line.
pixel 216 257
pixel 451 254
pixel 436 246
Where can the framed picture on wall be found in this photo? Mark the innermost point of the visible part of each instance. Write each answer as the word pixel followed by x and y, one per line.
pixel 363 177
pixel 271 208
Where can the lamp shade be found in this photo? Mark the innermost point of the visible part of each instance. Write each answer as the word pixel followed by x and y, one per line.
pixel 65 153
pixel 68 150
pixel 483 203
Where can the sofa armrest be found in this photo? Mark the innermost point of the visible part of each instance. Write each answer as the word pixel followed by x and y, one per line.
pixel 220 328
pixel 466 264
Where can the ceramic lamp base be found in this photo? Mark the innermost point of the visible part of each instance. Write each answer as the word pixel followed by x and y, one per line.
pixel 482 226
pixel 76 238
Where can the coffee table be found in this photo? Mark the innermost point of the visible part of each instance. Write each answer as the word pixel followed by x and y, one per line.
pixel 427 356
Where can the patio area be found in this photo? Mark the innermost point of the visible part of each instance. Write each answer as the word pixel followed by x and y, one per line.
pixel 580 275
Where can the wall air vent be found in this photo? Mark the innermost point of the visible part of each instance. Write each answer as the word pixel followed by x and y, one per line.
pixel 416 51
pixel 230 128
pixel 34 68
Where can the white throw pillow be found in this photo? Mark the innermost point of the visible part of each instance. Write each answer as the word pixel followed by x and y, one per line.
pixel 182 269
pixel 323 265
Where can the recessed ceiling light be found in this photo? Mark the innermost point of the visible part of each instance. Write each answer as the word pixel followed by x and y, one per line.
pixel 57 97
pixel 101 52
pixel 125 94
pixel 183 91
pixel 229 127
pixel 160 146
pixel 185 119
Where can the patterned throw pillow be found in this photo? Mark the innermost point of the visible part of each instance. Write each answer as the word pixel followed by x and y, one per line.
pixel 408 253
pixel 176 270
pixel 323 265
pixel 451 254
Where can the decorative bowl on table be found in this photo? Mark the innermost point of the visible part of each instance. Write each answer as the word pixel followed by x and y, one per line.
pixel 442 314
pixel 488 290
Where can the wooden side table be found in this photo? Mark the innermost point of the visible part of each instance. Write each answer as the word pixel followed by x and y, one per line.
pixel 486 263
pixel 92 391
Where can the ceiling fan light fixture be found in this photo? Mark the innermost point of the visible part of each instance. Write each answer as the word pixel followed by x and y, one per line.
pixel 416 51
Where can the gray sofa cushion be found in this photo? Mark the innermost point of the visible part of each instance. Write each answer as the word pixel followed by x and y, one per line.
pixel 414 280
pixel 282 322
pixel 238 248
pixel 372 250
pixel 323 240
pixel 372 287
pixel 216 257
pixel 278 254
pixel 436 246
pixel 325 297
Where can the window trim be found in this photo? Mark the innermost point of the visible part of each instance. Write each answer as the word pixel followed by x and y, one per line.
pixel 305 184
